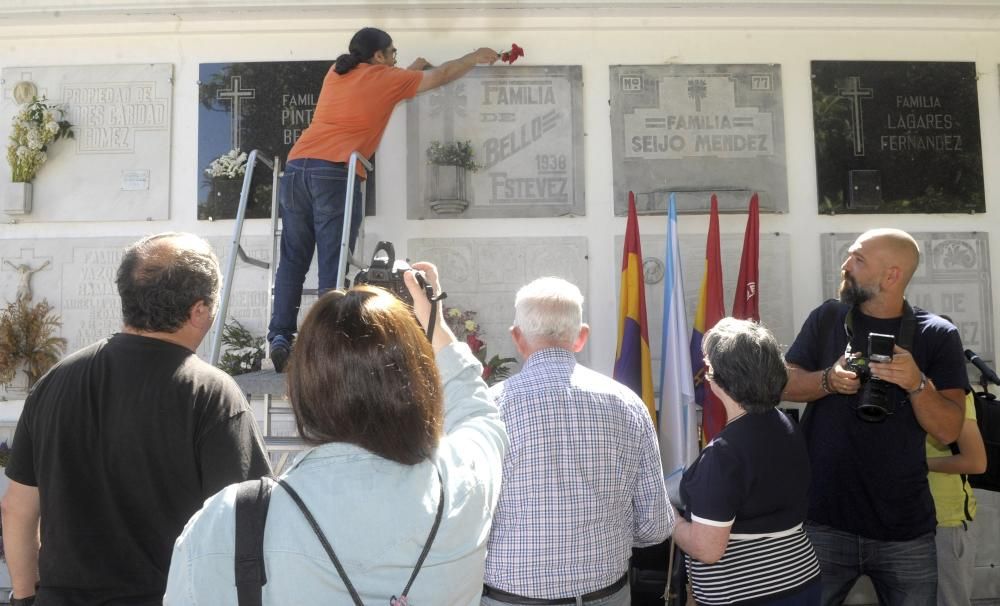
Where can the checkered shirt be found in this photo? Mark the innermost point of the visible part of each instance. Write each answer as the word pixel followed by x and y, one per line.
pixel 582 481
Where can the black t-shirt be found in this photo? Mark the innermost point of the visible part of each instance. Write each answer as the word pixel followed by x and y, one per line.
pixel 870 479
pixel 125 439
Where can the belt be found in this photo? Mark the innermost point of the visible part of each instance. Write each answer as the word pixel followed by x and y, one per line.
pixel 513 598
pixel 314 162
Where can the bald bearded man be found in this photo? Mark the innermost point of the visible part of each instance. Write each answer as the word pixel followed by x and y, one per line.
pixel 870 510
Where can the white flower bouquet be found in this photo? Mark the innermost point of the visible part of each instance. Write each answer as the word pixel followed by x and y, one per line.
pixel 230 165
pixel 36 125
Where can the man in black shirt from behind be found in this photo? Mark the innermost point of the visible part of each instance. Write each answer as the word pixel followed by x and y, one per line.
pixel 122 441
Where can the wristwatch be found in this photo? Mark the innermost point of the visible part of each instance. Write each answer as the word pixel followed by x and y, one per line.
pixel 920 388
pixel 28 601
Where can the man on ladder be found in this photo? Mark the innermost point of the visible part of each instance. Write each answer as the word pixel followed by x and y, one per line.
pixel 358 97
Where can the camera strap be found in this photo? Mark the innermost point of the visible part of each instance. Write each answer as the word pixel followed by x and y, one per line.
pixel 907 328
pixel 435 303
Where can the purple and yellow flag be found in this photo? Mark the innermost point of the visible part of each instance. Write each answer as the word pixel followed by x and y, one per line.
pixel 633 365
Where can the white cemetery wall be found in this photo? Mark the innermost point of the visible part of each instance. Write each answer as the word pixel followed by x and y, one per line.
pixel 591 37
pixel 641 37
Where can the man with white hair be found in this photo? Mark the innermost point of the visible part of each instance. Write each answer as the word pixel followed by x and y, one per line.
pixel 582 480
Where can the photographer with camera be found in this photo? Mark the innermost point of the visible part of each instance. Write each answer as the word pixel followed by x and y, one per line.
pixel 402 479
pixel 870 508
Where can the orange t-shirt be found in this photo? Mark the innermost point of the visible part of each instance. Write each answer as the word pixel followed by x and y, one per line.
pixel 353 111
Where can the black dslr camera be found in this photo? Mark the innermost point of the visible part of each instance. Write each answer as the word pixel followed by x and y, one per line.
pixel 386 272
pixel 874 405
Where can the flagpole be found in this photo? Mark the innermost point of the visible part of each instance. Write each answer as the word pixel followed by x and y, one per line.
pixel 677 401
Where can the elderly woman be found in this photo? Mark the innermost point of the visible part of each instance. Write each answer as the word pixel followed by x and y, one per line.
pixel 406 461
pixel 745 495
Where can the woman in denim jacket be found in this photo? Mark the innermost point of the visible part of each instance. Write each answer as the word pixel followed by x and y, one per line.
pixel 397 423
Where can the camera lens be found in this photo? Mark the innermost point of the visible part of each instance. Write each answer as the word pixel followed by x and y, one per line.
pixel 870 413
pixel 874 405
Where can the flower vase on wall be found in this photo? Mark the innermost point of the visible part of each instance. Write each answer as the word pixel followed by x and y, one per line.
pixel 17 389
pixel 17 198
pixel 225 197
pixel 447 189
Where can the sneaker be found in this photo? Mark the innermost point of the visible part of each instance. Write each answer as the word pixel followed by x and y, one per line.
pixel 279 352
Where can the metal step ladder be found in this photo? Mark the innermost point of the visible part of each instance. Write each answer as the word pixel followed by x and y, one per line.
pixel 266 382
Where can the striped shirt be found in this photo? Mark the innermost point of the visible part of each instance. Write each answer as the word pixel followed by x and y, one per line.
pixel 582 481
pixel 754 478
pixel 754 567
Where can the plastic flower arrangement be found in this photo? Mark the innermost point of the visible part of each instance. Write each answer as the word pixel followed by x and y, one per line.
pixel 454 153
pixel 36 125
pixel 230 165
pixel 511 55
pixel 465 327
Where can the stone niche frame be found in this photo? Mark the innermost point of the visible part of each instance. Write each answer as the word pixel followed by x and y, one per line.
pixel 263 105
pixel 898 137
pixel 484 274
pixel 775 284
pixel 695 130
pixel 525 125
pixel 79 282
pixel 117 166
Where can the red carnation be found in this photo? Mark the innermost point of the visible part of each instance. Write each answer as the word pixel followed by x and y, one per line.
pixel 512 55
pixel 474 343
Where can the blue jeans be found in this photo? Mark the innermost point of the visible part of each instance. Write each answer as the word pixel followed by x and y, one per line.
pixel 903 572
pixel 312 196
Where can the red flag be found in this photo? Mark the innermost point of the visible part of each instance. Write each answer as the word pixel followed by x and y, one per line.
pixel 711 309
pixel 745 305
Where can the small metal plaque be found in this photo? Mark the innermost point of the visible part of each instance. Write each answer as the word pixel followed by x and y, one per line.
pixel 865 188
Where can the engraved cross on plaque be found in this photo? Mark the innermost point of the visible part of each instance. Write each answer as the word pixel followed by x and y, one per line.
pixel 854 94
pixel 236 95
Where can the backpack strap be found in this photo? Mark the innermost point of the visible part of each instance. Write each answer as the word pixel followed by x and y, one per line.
pixel 252 500
pixel 953 447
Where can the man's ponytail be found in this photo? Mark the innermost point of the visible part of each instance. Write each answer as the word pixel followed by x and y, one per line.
pixel 346 63
pixel 365 43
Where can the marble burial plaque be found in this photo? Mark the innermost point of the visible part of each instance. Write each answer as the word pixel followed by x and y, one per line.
pixel 525 127
pixel 897 137
pixel 117 166
pixel 77 277
pixel 484 274
pixel 953 279
pixel 697 130
pixel 775 282
pixel 246 106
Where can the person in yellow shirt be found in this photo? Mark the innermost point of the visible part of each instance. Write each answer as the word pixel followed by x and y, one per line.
pixel 956 507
